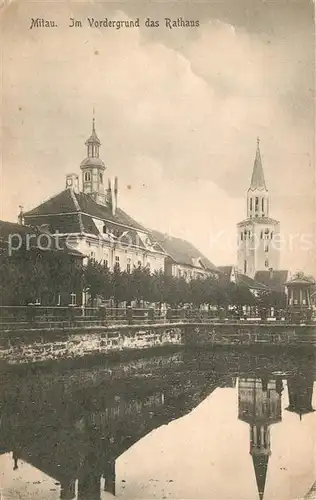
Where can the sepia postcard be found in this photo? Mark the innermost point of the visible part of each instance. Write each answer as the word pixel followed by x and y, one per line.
pixel 157 250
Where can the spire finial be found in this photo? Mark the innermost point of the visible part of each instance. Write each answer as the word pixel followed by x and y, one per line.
pixel 93 119
pixel 258 141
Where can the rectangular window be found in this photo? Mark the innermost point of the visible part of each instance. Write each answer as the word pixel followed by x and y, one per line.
pixel 241 236
pixel 262 204
pixel 266 247
pixel 245 266
pixel 117 258
pixel 266 263
pixel 251 204
pixel 73 299
pixel 257 202
pixel 128 265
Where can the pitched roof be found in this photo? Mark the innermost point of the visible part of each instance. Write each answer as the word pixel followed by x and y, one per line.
pixel 68 201
pixel 244 280
pixel 274 280
pixel 301 280
pixel 10 230
pixel 257 178
pixel 241 279
pixel 182 251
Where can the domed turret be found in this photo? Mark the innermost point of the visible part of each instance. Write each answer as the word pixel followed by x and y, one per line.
pixel 93 168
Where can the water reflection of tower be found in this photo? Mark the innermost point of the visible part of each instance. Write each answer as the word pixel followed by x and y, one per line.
pixel 300 389
pixel 259 405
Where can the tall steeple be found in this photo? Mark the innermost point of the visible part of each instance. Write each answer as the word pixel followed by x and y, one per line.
pixel 257 196
pixel 257 178
pixel 93 168
pixel 258 246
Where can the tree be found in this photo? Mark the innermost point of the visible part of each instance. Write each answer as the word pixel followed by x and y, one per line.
pixel 97 281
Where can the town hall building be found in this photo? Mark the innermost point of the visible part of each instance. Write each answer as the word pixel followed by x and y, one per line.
pixel 90 220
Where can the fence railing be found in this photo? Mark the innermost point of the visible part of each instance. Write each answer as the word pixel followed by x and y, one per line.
pixel 34 316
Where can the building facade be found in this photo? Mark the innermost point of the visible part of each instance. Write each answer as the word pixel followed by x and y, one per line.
pixel 183 260
pixel 258 234
pixel 90 220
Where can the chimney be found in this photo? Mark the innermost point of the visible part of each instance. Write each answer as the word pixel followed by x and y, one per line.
pixel 115 195
pixel 271 273
pixel 72 181
pixel 21 215
pixel 109 200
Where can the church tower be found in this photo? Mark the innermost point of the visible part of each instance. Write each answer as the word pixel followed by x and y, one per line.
pixel 258 234
pixel 259 405
pixel 93 168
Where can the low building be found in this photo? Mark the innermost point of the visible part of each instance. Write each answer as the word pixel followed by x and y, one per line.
pixel 230 274
pixel 91 221
pixel 273 279
pixel 183 259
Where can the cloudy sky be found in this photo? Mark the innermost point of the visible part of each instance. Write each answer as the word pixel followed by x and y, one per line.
pixel 177 111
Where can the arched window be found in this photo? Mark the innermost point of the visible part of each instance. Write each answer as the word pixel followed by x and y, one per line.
pixel 250 204
pixel 101 178
pixel 262 204
pixel 271 235
pixel 245 266
pixel 87 176
pixel 266 263
pixel 241 236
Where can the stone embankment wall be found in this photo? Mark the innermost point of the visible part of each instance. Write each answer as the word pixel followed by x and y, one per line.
pixel 30 346
pixel 250 334
pixel 33 346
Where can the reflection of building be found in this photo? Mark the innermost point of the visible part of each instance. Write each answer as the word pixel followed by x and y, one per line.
pixel 74 429
pixel 300 394
pixel 259 405
pixel 258 233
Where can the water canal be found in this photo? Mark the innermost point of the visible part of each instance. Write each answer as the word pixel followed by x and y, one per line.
pixel 188 425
